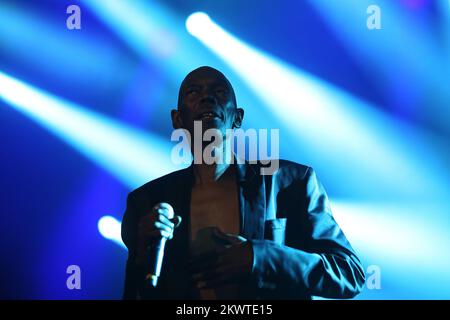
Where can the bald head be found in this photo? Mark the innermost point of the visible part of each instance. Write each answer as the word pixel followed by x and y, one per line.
pixel 201 73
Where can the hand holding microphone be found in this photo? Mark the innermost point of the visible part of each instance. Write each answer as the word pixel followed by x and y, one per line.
pixel 153 230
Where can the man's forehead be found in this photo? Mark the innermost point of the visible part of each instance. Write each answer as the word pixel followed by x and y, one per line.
pixel 205 76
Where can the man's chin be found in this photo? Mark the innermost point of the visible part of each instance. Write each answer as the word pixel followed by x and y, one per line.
pixel 211 124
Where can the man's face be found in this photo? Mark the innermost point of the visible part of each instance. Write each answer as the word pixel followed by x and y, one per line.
pixel 206 96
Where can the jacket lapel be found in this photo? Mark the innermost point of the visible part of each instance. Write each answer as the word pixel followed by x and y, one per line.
pixel 252 201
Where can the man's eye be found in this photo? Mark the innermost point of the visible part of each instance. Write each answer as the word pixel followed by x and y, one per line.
pixel 221 91
pixel 191 91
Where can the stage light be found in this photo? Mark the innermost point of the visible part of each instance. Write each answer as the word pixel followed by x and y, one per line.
pixel 350 135
pixel 198 22
pixel 131 155
pixel 110 228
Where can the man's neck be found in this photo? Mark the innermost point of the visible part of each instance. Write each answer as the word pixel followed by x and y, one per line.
pixel 205 173
pixel 210 173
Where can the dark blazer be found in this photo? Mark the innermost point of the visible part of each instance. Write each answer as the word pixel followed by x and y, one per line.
pixel 299 250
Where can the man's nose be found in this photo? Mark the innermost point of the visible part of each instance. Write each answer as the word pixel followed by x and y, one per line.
pixel 207 97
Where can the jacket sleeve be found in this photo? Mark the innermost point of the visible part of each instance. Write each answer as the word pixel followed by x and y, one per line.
pixel 129 237
pixel 326 264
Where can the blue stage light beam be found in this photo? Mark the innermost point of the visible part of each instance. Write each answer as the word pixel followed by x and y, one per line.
pixel 349 20
pixel 410 249
pixel 35 42
pixel 444 11
pixel 373 151
pixel 143 31
pixel 129 154
pixel 110 228
pixel 405 52
pixel 154 33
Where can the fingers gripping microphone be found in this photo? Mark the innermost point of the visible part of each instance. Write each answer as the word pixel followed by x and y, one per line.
pixel 156 250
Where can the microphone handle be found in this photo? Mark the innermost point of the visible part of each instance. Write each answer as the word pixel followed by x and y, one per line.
pixel 156 254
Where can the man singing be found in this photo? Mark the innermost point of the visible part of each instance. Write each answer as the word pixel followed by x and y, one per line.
pixel 237 234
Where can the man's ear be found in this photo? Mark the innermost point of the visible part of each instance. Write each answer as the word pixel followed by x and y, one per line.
pixel 177 123
pixel 238 117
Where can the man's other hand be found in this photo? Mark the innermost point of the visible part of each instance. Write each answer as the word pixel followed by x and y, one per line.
pixel 231 263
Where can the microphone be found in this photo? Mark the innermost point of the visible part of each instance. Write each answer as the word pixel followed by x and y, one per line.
pixel 156 250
